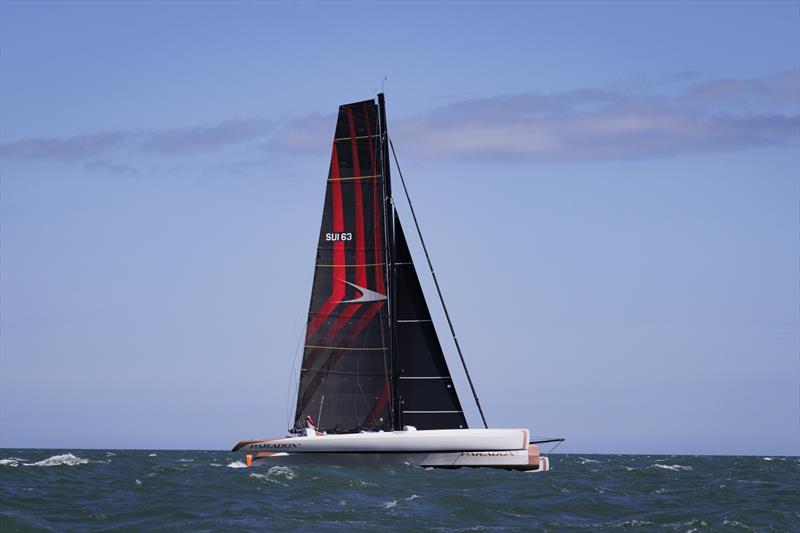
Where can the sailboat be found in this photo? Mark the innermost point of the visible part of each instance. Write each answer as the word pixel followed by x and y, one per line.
pixel 374 385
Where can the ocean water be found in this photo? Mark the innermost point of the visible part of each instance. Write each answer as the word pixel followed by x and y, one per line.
pixel 134 490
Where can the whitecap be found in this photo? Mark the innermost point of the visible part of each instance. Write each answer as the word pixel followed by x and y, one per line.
pixel 389 505
pixel 237 464
pixel 265 477
pixel 11 461
pixel 282 471
pixel 110 454
pixel 734 523
pixel 185 460
pixel 412 497
pixel 66 459
pixel 583 460
pixel 360 483
pixel 769 458
pixel 138 483
pixel 214 464
pixel 152 455
pixel 674 468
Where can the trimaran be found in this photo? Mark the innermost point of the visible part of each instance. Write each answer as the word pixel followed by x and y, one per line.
pixel 374 384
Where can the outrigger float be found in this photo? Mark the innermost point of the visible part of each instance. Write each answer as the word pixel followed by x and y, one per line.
pixel 374 376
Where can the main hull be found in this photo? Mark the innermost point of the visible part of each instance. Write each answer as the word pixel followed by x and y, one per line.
pixel 454 448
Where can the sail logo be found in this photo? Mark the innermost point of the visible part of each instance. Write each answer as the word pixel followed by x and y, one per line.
pixel 365 295
pixel 340 236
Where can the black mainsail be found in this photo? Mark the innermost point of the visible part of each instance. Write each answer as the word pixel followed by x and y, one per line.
pixel 371 359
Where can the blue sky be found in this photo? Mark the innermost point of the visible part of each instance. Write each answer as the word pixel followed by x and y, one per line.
pixel 610 193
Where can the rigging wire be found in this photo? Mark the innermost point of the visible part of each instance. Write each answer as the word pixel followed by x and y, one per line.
pixel 438 289
pixel 545 441
pixel 291 389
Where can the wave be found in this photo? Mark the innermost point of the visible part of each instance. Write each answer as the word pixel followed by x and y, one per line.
pixel 734 523
pixel 360 483
pixel 584 460
pixel 11 461
pixel 674 468
pixel 282 471
pixel 274 475
pixel 393 503
pixel 265 477
pixel 66 459
pixel 237 464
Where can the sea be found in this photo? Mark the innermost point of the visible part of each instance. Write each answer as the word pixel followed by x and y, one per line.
pixel 144 490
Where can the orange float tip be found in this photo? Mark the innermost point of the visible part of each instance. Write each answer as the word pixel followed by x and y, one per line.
pixel 249 459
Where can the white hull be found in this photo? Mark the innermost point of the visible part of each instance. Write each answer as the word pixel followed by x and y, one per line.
pixel 446 448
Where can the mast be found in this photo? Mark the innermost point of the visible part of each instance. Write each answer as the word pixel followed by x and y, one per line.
pixel 389 218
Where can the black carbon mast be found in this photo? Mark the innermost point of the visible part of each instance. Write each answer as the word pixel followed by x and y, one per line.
pixel 390 272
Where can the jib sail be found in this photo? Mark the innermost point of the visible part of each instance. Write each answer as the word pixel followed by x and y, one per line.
pixel 426 393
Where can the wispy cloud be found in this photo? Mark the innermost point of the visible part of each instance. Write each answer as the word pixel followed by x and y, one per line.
pixel 169 142
pixel 70 148
pixel 655 119
pixel 305 135
pixel 105 166
pixel 595 124
pixel 201 139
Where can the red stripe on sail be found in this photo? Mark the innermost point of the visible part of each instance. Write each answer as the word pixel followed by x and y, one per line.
pixel 361 269
pixel 339 267
pixel 380 285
